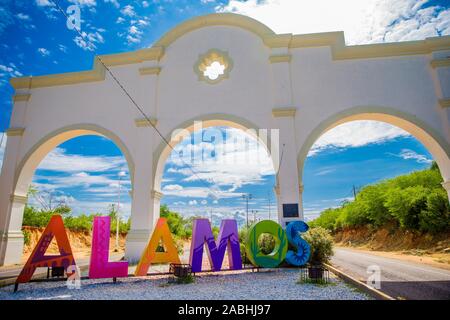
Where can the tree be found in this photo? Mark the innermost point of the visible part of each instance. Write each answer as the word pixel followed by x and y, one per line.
pixel 49 200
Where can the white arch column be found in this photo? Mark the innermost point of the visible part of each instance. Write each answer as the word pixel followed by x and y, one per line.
pixel 288 188
pixel 12 204
pixel 145 201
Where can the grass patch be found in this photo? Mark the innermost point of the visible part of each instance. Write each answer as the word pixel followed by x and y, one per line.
pixel 318 282
pixel 184 280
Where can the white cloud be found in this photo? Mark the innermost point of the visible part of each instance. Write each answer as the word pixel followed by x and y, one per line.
pixel 44 52
pixel 134 34
pixel 115 3
pixel 356 134
pixel 408 154
pixel 173 187
pixel 89 40
pixel 9 70
pixel 128 10
pixel 2 147
pixel 59 160
pixel 142 22
pixel 84 3
pixel 94 193
pixel 44 3
pixel 145 4
pixel 231 164
pixel 62 48
pixel 22 16
pixel 100 206
pixel 200 192
pixel 94 178
pixel 79 179
pixel 134 30
pixel 325 171
pixel 132 39
pixel 367 21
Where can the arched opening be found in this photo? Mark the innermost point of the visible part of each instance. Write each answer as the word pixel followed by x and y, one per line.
pixel 438 147
pixel 77 171
pixel 218 170
pixel 31 160
pixel 185 129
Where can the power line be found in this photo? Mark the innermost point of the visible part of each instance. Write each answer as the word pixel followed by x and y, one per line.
pixel 135 104
pixel 1 141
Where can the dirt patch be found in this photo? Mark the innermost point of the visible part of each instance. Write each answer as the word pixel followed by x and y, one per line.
pixel 79 241
pixel 426 248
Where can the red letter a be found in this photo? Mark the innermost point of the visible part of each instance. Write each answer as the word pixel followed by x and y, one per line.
pixel 38 259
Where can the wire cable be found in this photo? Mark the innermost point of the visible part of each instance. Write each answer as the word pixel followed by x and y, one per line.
pixel 134 103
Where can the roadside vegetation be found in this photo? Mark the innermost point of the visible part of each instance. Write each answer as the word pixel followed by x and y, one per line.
pixel 414 202
pixel 49 205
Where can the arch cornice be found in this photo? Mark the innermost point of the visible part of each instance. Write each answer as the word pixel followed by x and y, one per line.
pixel 335 40
pixel 215 19
pixel 434 140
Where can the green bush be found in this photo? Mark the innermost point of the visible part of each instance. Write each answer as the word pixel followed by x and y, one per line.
pixel 406 205
pixel 327 219
pixel 321 244
pixel 266 243
pixel 178 225
pixel 436 217
pixel 36 218
pixel 415 201
pixel 178 245
pixel 81 223
pixel 26 237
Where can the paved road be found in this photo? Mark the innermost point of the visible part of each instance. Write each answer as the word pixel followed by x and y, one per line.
pixel 399 279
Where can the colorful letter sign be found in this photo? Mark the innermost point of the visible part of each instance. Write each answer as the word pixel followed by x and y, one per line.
pixel 99 266
pixel 254 253
pixel 228 239
pixel 293 231
pixel 150 255
pixel 38 258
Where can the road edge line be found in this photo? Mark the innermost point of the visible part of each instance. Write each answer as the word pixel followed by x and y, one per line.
pixel 375 293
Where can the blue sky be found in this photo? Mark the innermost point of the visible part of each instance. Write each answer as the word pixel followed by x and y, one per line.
pixel 84 171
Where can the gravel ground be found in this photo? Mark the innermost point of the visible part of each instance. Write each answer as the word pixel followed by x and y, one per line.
pixel 267 285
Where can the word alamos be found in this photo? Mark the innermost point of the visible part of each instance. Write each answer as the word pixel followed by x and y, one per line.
pixel 202 237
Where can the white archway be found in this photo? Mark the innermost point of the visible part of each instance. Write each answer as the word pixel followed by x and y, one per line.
pixel 278 81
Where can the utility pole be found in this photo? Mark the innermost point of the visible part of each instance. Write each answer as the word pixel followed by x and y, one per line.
pixel 247 197
pixel 354 192
pixel 254 215
pixel 121 174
